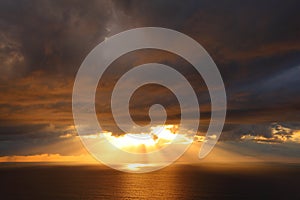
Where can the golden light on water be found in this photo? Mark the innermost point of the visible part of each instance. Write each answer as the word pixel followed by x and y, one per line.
pixel 137 166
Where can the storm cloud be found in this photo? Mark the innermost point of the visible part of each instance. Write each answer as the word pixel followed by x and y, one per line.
pixel 42 44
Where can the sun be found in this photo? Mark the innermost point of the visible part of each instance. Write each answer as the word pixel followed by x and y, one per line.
pixel 157 138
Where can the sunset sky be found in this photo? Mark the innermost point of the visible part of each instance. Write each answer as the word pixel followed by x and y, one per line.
pixel 255 44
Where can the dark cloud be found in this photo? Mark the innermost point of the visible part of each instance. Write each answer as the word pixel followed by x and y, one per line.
pixel 42 44
pixel 148 95
pixel 276 132
pixel 53 36
pixel 24 139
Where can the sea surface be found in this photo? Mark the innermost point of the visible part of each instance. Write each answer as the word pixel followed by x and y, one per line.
pixel 210 181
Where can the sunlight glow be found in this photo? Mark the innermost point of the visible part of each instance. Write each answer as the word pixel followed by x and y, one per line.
pixel 158 137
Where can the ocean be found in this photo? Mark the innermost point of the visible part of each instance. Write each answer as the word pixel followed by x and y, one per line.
pixel 209 181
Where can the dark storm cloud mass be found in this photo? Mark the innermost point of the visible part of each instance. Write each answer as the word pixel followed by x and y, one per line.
pixel 52 36
pixel 255 45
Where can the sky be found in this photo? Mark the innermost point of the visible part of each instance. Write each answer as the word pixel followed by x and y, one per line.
pixel 255 45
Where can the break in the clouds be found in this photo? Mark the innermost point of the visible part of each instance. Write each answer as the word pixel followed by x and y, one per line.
pixel 42 44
